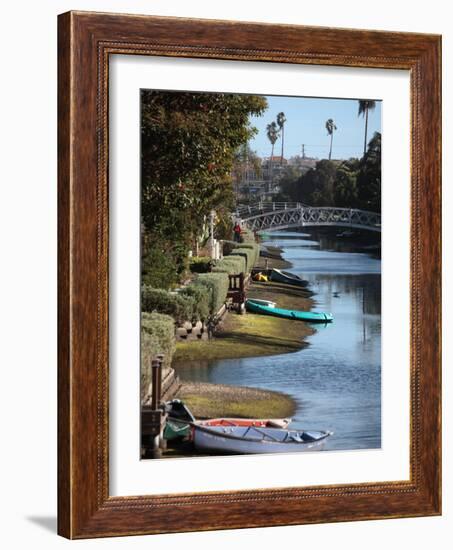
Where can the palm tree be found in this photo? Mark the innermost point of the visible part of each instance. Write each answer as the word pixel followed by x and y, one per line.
pixel 281 119
pixel 330 127
pixel 366 105
pixel 272 135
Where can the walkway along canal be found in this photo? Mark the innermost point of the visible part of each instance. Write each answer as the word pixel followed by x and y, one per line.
pixel 335 381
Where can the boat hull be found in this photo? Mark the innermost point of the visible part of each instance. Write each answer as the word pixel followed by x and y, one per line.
pixel 176 430
pixel 258 422
pixel 226 440
pixel 307 316
pixel 279 276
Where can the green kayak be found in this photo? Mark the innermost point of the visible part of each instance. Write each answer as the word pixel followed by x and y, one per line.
pixel 309 316
pixel 174 430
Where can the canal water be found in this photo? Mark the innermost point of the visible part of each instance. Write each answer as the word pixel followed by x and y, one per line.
pixel 336 379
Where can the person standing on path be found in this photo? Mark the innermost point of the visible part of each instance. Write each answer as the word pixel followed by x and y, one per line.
pixel 237 232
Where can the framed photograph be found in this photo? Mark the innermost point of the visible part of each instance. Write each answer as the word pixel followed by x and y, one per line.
pixel 249 275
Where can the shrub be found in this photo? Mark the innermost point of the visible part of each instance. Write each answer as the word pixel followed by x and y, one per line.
pixel 200 264
pixel 230 249
pixel 247 236
pixel 249 254
pixel 230 264
pixel 157 336
pixel 180 307
pixel 159 269
pixel 256 252
pixel 217 283
pixel 201 295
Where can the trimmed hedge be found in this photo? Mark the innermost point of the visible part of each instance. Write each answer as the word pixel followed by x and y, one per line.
pixel 180 307
pixel 230 265
pixel 157 336
pixel 217 283
pixel 247 236
pixel 248 253
pixel 256 252
pixel 201 296
pixel 192 303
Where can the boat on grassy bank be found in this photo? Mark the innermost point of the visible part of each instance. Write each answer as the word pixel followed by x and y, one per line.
pixel 256 440
pixel 282 423
pixel 180 421
pixel 255 306
pixel 268 303
pixel 182 429
pixel 279 276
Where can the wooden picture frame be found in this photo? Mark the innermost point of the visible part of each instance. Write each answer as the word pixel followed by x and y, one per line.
pixel 86 40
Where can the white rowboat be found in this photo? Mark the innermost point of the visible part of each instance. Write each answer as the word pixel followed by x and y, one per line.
pixel 256 440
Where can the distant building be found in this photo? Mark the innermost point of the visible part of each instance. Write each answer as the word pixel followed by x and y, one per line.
pixel 259 180
pixel 303 163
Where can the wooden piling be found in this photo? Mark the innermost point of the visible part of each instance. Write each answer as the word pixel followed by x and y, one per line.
pixel 153 417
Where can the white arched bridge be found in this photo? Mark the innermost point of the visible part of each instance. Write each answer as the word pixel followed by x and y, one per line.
pixel 272 216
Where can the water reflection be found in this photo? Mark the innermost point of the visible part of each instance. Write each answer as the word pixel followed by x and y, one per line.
pixel 336 380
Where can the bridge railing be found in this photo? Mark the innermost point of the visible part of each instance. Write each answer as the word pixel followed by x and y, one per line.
pixel 246 211
pixel 298 215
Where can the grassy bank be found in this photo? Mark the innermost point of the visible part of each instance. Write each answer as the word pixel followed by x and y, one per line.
pixel 211 400
pixel 247 335
pixel 253 335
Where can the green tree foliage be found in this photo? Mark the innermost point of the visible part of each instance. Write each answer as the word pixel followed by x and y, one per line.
pixel 315 187
pixel 345 185
pixel 352 183
pixel 188 146
pixel 369 176
pixel 163 262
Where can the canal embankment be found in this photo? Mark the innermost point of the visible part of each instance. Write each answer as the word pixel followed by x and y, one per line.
pixel 250 335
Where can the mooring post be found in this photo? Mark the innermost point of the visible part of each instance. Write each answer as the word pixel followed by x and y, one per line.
pixel 155 364
pixel 163 417
pixel 241 293
pixel 155 371
pixel 160 360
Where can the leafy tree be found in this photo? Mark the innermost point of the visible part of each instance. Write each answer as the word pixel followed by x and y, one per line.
pixel 366 105
pixel 353 183
pixel 315 187
pixel 288 184
pixel 369 176
pixel 281 119
pixel 345 186
pixel 188 145
pixel 330 127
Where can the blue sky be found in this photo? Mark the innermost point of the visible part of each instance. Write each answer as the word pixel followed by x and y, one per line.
pixel 305 123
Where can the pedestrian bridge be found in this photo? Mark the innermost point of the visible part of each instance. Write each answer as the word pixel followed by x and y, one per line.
pixel 272 216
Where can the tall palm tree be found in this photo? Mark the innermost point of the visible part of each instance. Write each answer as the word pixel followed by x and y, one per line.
pixel 281 119
pixel 330 127
pixel 272 135
pixel 366 105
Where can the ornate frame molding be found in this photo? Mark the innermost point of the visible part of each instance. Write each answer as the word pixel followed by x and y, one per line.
pixel 86 40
